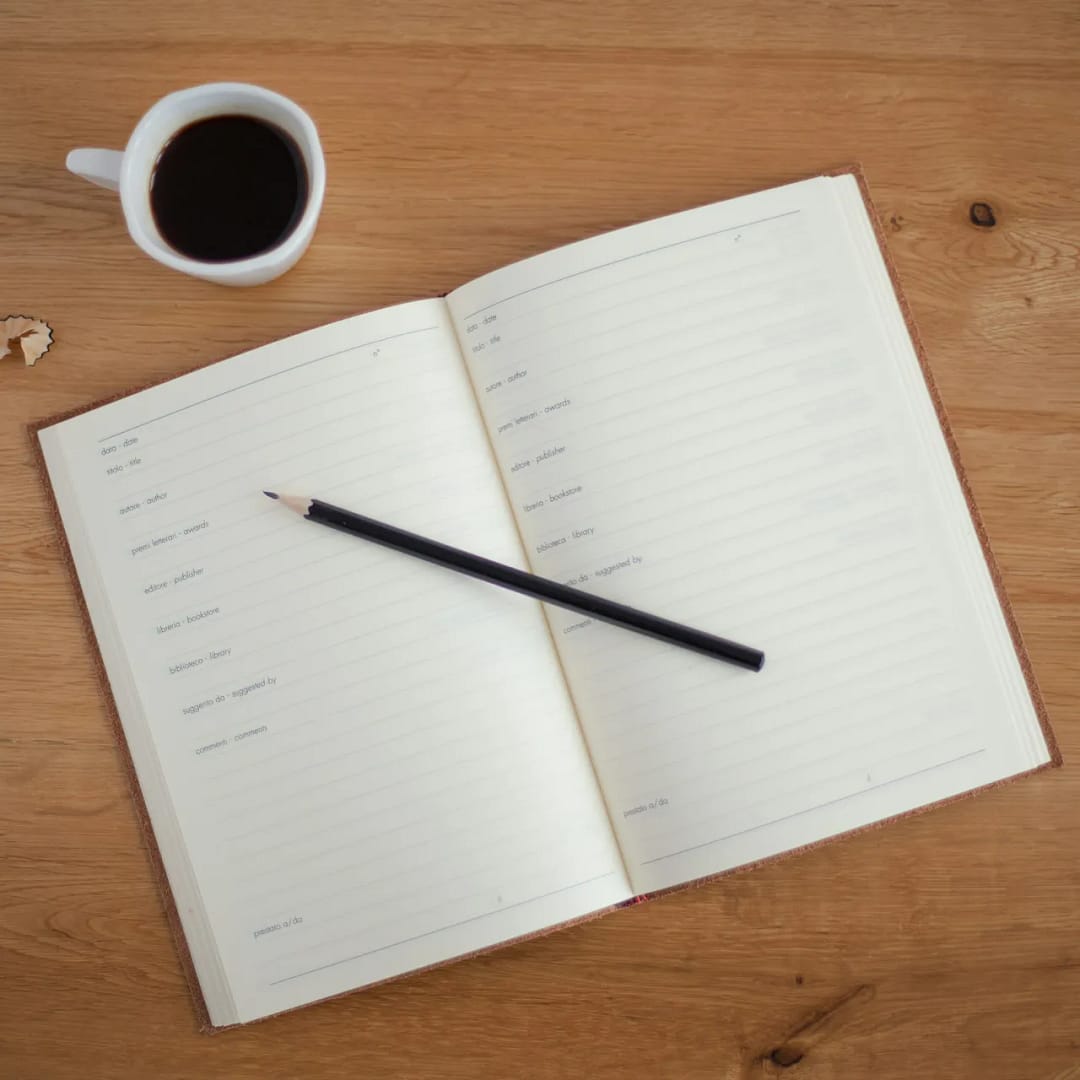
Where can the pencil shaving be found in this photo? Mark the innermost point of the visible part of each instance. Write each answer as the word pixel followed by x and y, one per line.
pixel 25 337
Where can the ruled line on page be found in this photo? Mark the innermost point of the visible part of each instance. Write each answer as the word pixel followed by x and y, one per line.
pixel 308 478
pixel 621 353
pixel 493 839
pixel 207 721
pixel 441 929
pixel 645 314
pixel 356 752
pixel 322 382
pixel 540 441
pixel 279 439
pixel 420 827
pixel 581 295
pixel 345 728
pixel 298 893
pixel 244 487
pixel 263 378
pixel 635 255
pixel 869 709
pixel 796 758
pixel 278 436
pixel 283 424
pixel 819 806
pixel 922 659
pixel 540 868
pixel 897 661
pixel 381 630
pixel 339 803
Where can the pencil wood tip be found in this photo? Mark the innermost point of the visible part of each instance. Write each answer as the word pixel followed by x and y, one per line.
pixel 271 494
pixel 297 503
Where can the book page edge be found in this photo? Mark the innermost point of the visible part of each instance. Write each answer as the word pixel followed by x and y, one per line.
pixel 841 836
pixel 855 170
pixel 142 815
pixel 533 935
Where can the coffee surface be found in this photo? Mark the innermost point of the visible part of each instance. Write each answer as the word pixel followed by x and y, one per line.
pixel 227 188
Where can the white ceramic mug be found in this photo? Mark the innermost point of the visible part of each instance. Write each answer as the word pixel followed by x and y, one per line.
pixel 130 173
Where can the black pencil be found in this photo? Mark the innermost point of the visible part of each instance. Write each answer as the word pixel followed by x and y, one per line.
pixel 551 592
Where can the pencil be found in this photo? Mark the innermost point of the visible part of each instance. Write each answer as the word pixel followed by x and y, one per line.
pixel 508 577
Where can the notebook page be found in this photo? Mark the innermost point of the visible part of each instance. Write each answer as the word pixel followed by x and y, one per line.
pixel 356 764
pixel 702 416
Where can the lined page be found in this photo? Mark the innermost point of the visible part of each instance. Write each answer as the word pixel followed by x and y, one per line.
pixel 357 764
pixel 706 416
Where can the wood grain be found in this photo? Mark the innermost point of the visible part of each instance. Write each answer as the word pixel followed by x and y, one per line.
pixel 458 137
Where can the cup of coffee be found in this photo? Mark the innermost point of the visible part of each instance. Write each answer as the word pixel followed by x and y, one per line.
pixel 223 181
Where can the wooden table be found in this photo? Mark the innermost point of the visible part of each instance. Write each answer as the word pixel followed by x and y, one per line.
pixel 458 137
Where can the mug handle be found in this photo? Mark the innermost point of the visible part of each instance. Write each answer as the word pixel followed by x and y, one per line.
pixel 101 167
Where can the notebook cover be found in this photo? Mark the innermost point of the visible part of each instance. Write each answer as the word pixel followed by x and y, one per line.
pixel 157 864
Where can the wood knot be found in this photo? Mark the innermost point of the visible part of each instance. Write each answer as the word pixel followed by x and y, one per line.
pixel 982 215
pixel 786 1056
pixel 823 1026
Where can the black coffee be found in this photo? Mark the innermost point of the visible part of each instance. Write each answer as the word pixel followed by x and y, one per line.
pixel 227 188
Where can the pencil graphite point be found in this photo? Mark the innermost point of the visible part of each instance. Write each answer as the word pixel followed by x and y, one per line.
pixel 271 494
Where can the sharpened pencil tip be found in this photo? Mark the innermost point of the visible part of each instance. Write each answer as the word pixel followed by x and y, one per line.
pixel 271 494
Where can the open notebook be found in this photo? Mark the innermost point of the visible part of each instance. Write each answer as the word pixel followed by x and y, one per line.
pixel 357 765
